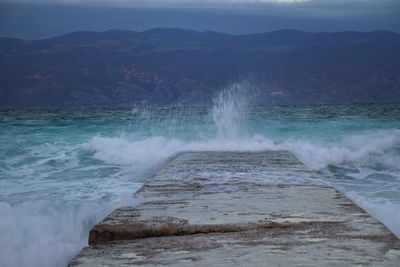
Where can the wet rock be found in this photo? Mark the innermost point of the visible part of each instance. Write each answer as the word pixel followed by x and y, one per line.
pixel 207 208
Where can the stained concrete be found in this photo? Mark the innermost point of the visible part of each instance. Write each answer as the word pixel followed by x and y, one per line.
pixel 231 208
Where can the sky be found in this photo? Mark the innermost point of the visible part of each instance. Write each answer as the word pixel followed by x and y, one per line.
pixel 38 19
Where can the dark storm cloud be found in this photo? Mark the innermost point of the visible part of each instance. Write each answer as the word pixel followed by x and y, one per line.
pixel 325 6
pixel 166 3
pixel 32 19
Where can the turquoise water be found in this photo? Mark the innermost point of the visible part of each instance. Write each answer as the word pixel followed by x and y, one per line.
pixel 61 171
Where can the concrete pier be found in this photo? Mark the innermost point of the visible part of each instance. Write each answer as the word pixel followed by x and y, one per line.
pixel 237 208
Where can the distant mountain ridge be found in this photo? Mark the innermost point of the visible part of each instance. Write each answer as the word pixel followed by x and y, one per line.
pixel 176 66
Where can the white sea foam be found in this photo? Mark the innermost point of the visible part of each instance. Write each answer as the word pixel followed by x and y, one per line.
pixel 35 235
pixel 371 147
pixel 385 211
pixel 31 234
pixel 42 234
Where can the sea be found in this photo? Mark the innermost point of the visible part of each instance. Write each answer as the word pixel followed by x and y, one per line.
pixel 63 170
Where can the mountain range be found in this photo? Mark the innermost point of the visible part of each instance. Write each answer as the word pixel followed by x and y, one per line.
pixel 181 67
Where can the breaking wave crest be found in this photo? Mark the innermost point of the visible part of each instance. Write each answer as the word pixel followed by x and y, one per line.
pixel 377 149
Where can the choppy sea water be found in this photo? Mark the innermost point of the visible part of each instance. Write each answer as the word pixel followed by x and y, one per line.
pixel 62 171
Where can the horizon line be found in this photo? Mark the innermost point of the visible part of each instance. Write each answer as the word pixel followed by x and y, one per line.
pixel 206 31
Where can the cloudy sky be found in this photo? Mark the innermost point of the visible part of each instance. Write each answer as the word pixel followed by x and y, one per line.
pixel 35 19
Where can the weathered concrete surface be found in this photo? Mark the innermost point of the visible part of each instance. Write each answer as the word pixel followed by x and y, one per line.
pixel 227 208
